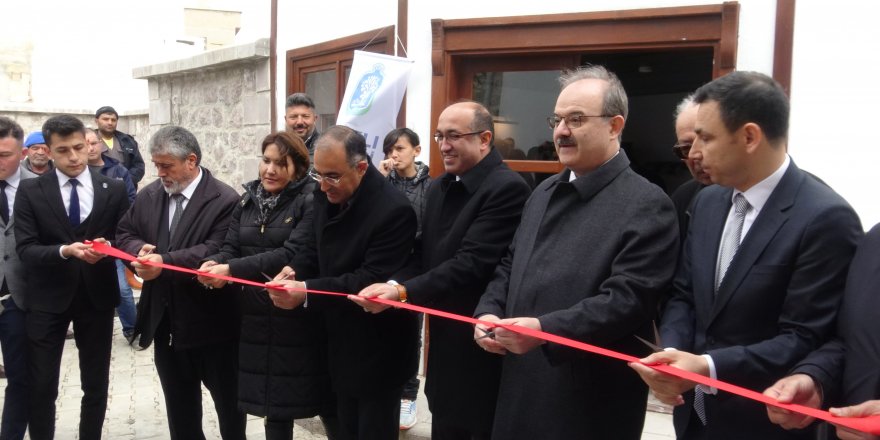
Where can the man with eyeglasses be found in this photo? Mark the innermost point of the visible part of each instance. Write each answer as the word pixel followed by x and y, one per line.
pixel 301 118
pixel 471 215
pixel 592 255
pixel 363 232
pixel 684 196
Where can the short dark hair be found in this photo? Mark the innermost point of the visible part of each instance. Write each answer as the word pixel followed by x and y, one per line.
pixel 393 135
pixel 10 128
pixel 292 146
pixel 62 125
pixel 354 142
pixel 106 109
pixel 176 141
pixel 300 99
pixel 745 97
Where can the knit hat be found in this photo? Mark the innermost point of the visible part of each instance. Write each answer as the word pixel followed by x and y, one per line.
pixel 105 109
pixel 34 139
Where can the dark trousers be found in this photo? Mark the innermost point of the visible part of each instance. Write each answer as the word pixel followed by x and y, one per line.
pixel 182 373
pixel 374 417
pixel 14 343
pixel 93 332
pixel 441 431
pixel 283 429
pixel 411 387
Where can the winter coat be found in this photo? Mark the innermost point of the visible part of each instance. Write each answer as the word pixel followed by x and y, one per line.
pixel 414 188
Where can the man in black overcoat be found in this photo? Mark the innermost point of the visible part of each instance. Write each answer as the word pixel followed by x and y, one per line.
pixel 180 219
pixel 593 253
pixel 471 215
pixel 364 230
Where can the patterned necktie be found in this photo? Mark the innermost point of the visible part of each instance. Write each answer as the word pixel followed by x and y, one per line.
pixel 730 241
pixel 4 202
pixel 73 209
pixel 178 211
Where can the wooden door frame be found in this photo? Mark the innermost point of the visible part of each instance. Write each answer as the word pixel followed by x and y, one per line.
pixel 454 41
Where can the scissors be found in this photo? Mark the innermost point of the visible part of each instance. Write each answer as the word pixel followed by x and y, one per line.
pixel 486 334
pixel 653 346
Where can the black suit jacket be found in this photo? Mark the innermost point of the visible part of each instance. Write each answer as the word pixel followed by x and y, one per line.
pixel 42 226
pixel 198 317
pixel 848 367
pixel 467 228
pixel 363 244
pixel 777 302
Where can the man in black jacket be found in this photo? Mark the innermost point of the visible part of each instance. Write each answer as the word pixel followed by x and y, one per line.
pixel 120 146
pixel 180 219
pixel 363 233
pixel 471 215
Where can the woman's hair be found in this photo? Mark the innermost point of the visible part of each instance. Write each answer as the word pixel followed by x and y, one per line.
pixel 292 146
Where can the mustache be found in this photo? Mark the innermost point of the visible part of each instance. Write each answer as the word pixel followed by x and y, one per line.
pixel 564 141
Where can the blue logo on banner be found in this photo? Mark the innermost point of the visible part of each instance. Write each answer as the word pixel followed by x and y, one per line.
pixel 366 90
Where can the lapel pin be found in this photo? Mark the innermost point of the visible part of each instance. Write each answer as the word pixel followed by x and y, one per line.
pixel 288 220
pixel 104 185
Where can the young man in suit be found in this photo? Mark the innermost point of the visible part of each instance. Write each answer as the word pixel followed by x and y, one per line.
pixel 54 214
pixel 762 269
pixel 180 219
pixel 13 337
pixel 363 232
pixel 589 261
pixel 472 212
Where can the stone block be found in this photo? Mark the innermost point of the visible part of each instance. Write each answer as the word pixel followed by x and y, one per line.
pixel 256 108
pixel 262 76
pixel 160 112
pixel 153 88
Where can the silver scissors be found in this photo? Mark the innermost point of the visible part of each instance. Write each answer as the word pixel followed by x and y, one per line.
pixel 655 346
pixel 486 334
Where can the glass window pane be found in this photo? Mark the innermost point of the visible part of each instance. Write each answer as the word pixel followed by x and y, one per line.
pixel 321 87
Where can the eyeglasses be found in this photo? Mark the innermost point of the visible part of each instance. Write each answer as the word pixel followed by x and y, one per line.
pixel 682 150
pixel 317 177
pixel 453 137
pixel 571 121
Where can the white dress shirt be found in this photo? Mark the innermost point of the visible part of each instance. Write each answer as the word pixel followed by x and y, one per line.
pixel 186 193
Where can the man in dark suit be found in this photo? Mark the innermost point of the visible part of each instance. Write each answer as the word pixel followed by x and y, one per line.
pixel 13 337
pixel 845 372
pixel 589 262
pixel 66 280
pixel 471 215
pixel 363 233
pixel 180 219
pixel 762 269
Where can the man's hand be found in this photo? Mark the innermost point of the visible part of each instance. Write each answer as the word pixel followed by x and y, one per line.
pixel 287 273
pixel 799 389
pixel 144 271
pixel 516 342
pixel 864 409
pixel 82 252
pixel 286 294
pixel 212 267
pixel 668 388
pixel 486 341
pixel 386 166
pixel 380 290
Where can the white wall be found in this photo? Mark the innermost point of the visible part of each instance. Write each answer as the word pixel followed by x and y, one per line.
pixel 835 93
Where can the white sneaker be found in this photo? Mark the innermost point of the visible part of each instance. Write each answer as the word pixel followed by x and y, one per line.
pixel 408 414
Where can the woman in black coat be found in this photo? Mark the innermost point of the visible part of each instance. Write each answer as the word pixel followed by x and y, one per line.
pixel 282 353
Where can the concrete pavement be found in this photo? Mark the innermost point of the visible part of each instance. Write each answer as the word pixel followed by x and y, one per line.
pixel 136 406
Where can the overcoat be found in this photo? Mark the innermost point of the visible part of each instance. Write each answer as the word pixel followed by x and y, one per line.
pixel 589 260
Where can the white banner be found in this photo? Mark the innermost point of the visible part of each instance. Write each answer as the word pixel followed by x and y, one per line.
pixel 373 96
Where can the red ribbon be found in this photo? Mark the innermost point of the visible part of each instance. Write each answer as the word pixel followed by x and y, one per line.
pixel 870 424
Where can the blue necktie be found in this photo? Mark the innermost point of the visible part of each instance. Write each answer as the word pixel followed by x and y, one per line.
pixel 73 209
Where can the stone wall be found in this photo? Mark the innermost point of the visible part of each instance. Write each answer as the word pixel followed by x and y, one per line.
pixel 31 118
pixel 223 98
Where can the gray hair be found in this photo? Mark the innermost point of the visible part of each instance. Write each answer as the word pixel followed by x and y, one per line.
pixel 683 105
pixel 176 141
pixel 615 101
pixel 354 143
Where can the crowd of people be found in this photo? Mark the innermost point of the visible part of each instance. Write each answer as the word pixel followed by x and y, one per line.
pixel 755 273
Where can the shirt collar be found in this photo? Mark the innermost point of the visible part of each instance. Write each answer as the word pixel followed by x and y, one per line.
pixel 759 193
pixel 14 179
pixel 191 188
pixel 83 178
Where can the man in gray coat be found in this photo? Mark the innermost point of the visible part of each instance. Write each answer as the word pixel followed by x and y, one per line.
pixel 593 253
pixel 13 338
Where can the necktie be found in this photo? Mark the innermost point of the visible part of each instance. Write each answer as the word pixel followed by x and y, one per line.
pixel 73 209
pixel 730 241
pixel 178 211
pixel 700 404
pixel 4 202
